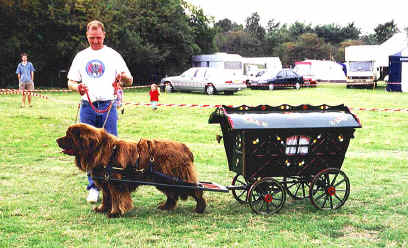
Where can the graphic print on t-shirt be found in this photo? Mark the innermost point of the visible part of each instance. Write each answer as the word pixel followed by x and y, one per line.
pixel 95 68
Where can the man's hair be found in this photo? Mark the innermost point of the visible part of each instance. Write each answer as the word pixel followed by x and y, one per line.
pixel 95 24
pixel 23 54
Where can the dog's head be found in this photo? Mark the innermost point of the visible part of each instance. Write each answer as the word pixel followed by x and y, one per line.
pixel 84 142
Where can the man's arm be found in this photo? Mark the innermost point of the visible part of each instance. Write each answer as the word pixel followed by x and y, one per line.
pixel 125 79
pixel 32 76
pixel 73 85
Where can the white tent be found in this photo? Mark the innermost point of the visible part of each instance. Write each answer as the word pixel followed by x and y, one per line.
pixel 393 45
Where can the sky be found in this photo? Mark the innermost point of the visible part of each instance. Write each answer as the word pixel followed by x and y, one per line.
pixel 366 14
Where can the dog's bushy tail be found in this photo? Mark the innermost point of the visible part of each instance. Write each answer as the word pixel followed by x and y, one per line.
pixel 187 151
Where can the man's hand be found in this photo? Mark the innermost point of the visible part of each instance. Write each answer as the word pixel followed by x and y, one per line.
pixel 119 77
pixel 77 86
pixel 82 89
pixel 124 79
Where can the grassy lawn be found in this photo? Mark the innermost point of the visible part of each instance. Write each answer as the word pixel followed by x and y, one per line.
pixel 42 193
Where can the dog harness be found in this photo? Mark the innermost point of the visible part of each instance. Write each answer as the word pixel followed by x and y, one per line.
pixel 129 172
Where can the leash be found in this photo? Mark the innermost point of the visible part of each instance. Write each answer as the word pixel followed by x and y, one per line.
pixel 117 89
pixel 107 115
pixel 77 113
pixel 100 111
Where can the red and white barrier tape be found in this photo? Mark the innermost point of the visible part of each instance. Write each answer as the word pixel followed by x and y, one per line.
pixel 137 87
pixel 66 90
pixel 215 106
pixel 27 93
pixel 17 92
pixel 381 109
pixel 175 105
pixel 54 90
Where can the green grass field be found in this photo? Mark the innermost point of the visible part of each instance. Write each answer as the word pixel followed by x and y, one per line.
pixel 42 193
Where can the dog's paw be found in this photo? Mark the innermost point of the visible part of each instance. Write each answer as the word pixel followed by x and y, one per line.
pixel 166 206
pixel 162 206
pixel 201 205
pixel 113 215
pixel 101 209
pixel 199 210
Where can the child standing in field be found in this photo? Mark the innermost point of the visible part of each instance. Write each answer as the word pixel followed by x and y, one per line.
pixel 154 96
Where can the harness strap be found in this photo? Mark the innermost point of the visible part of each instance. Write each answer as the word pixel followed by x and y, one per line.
pixel 108 168
pixel 158 174
pixel 166 177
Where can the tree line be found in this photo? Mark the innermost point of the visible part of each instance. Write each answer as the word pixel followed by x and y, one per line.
pixel 155 37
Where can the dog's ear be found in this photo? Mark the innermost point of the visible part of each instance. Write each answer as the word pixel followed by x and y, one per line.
pixel 143 149
pixel 86 137
pixel 90 137
pixel 142 146
pixel 74 131
pixel 149 147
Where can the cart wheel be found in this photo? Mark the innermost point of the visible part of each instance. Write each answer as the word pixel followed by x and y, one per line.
pixel 266 196
pixel 240 194
pixel 297 187
pixel 329 189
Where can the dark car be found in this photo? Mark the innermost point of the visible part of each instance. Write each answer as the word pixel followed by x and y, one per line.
pixel 286 78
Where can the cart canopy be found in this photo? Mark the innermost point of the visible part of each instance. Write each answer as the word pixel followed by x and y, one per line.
pixel 284 117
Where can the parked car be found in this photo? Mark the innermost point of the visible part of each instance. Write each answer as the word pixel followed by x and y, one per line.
pixel 261 76
pixel 283 79
pixel 204 79
pixel 304 68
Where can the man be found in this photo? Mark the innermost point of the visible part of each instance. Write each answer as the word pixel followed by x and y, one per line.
pixel 25 74
pixel 92 74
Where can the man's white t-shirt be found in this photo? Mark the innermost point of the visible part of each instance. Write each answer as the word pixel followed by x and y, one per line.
pixel 97 69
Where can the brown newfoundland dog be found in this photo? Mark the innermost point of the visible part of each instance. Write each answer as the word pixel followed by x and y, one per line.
pixel 155 161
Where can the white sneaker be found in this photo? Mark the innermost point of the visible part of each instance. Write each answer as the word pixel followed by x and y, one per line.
pixel 92 195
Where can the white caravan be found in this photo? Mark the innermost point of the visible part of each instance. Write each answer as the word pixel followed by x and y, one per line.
pixel 241 66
